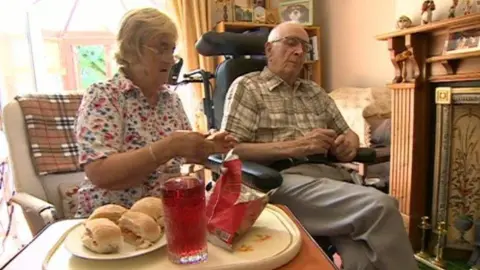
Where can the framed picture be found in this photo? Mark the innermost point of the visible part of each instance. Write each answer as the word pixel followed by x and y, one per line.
pixel 223 11
pixel 243 14
pixel 259 14
pixel 300 11
pixel 260 3
pixel 456 197
pixel 462 40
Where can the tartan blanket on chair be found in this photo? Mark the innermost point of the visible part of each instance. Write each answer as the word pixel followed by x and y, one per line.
pixel 50 121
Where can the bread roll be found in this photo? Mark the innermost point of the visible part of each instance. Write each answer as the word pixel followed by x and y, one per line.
pixel 110 211
pixel 151 206
pixel 139 229
pixel 101 235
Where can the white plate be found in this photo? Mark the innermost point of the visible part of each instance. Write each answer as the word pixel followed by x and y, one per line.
pixel 73 243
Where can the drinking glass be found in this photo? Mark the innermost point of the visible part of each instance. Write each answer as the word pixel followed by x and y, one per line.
pixel 185 219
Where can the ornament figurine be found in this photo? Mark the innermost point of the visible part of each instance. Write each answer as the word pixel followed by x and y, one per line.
pixel 403 22
pixel 453 8
pixel 427 11
pixel 467 10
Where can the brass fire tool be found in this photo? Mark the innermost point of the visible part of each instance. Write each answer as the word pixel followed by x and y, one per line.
pixel 440 232
pixel 424 226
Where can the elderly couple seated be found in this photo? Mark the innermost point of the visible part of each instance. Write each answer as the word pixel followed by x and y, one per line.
pixel 130 127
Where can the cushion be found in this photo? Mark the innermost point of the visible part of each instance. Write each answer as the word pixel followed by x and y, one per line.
pixel 50 122
pixel 69 196
pixel 55 185
pixel 382 134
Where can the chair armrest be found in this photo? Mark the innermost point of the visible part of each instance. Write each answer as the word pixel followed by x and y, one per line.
pixel 254 175
pixel 383 154
pixel 38 213
pixel 364 155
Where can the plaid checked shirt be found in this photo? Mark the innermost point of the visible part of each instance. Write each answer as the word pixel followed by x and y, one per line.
pixel 261 107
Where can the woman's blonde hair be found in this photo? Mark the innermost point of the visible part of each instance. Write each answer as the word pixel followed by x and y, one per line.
pixel 137 27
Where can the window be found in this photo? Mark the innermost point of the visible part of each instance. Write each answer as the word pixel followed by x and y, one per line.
pixel 78 42
pixel 91 64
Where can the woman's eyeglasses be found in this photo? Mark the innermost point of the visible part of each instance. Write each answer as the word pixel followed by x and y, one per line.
pixel 293 42
pixel 164 51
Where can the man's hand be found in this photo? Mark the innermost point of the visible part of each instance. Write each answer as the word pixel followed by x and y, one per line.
pixel 317 141
pixel 223 141
pixel 343 149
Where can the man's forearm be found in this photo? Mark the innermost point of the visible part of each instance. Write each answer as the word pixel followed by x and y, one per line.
pixel 268 152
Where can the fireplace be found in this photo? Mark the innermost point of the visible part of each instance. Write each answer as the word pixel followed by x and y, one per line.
pixel 435 113
pixel 456 188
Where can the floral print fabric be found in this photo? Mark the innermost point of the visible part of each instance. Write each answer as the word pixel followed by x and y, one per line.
pixel 115 117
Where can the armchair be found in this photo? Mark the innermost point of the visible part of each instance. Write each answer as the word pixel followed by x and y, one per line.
pixel 368 112
pixel 39 194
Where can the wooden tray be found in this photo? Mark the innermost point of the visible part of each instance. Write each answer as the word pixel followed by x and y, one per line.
pixel 273 241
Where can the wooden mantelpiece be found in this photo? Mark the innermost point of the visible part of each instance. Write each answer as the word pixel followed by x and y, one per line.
pixel 417 56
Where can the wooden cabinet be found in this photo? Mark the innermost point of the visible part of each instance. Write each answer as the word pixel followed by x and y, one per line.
pixel 312 68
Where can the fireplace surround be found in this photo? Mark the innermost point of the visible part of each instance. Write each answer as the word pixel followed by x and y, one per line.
pixel 435 95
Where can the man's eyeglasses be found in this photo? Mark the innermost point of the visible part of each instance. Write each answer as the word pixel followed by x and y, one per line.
pixel 294 41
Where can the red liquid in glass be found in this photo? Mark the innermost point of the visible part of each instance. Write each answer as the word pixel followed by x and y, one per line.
pixel 185 219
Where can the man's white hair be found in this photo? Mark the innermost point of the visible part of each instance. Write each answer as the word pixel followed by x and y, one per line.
pixel 275 33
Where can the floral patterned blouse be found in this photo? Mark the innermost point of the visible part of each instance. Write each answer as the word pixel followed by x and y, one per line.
pixel 114 117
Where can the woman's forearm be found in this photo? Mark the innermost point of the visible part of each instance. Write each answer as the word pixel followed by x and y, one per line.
pixel 129 169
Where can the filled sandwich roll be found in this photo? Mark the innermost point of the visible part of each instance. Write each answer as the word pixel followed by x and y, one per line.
pixel 151 206
pixel 139 229
pixel 112 212
pixel 101 235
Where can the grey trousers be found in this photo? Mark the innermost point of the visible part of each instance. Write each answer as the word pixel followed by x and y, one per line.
pixel 362 223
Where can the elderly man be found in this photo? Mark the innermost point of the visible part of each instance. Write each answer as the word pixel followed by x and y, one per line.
pixel 276 115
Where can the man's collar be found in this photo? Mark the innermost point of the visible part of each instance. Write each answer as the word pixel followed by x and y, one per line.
pixel 273 80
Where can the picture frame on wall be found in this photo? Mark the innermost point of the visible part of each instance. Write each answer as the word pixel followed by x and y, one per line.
pixel 300 11
pixel 462 41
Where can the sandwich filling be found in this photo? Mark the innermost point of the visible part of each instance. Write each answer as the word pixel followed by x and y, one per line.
pixel 135 239
pixel 102 236
pixel 139 229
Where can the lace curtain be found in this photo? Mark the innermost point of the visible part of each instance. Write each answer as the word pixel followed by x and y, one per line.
pixel 16 68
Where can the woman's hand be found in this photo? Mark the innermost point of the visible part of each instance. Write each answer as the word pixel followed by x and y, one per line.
pixel 223 141
pixel 195 147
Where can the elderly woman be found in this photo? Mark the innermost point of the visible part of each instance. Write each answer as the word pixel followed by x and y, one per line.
pixel 131 126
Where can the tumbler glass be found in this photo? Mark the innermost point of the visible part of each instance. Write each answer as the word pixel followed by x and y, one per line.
pixel 185 220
